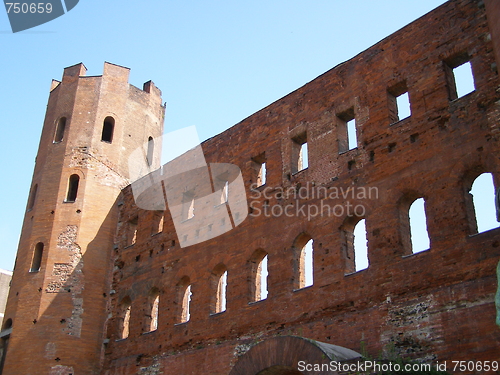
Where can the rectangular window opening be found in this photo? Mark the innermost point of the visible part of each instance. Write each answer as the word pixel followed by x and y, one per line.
pixel 459 76
pixel 259 167
pixel 346 131
pixel 300 153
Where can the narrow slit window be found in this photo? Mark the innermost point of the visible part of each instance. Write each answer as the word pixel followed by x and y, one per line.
pixel 32 199
pixel 37 257
pixel 300 153
pixel 303 261
pixel 221 293
pixel 225 193
pixel 152 317
pixel 151 147
pixel 108 128
pixel 360 246
pixel 73 182
pixel 188 206
pixel 351 134
pixel 346 131
pixel 186 302
pixel 218 285
pixel 483 197
pixel 259 263
pixel 262 274
pixel 259 167
pixel 132 231
pixel 124 329
pixel 307 259
pixel 418 226
pixel 60 128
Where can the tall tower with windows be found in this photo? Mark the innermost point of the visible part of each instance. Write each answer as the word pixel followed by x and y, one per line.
pixel 56 309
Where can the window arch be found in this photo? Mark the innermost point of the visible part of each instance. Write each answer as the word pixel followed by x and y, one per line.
pixel 31 201
pixel 60 128
pixel 184 296
pixel 108 128
pixel 73 182
pixel 124 319
pixel 354 244
pixel 360 244
pixel 37 257
pixel 484 202
pixel 151 319
pixel 259 273
pixel 219 287
pixel 418 226
pixel 151 148
pixel 303 261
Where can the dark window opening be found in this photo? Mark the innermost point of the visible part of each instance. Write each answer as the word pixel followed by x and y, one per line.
pixel 32 199
pixel 37 257
pixel 73 183
pixel 107 130
pixel 151 147
pixel 61 126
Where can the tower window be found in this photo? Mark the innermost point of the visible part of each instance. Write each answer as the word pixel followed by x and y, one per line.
pixel 151 147
pixel 258 286
pixel 73 183
pixel 188 205
pixel 151 321
pixel 60 128
pixel 108 129
pixel 37 257
pixel 32 199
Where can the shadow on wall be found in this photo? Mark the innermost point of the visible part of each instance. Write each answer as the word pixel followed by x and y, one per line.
pixel 70 330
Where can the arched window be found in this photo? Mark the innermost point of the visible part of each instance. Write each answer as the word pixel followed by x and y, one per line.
pixel 151 148
pixel 418 226
pixel 31 201
pixel 73 182
pixel 258 282
pixel 483 197
pixel 108 128
pixel 360 246
pixel 124 320
pixel 37 257
pixel 60 128
pixel 219 286
pixel 304 265
pixel 151 321
pixel 184 296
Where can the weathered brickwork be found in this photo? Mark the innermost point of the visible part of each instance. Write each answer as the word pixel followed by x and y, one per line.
pixel 111 290
pixel 435 305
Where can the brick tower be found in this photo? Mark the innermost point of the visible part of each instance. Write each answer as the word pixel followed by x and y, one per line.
pixel 56 309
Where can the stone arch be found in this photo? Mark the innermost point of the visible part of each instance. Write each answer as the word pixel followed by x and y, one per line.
pixel 281 356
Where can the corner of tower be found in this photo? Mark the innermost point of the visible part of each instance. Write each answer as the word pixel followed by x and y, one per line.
pixel 72 73
pixel 116 72
pixel 151 88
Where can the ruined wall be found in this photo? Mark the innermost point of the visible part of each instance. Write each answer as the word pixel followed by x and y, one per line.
pixel 57 304
pixel 434 305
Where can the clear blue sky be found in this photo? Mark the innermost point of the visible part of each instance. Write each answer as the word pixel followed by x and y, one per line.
pixel 216 62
